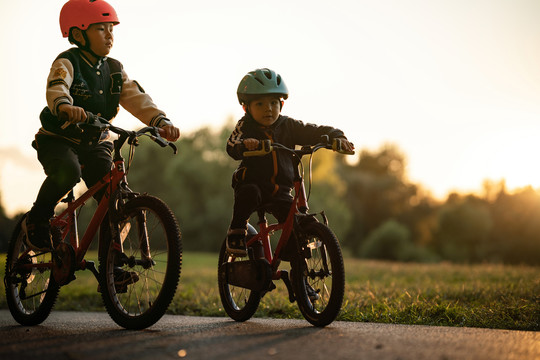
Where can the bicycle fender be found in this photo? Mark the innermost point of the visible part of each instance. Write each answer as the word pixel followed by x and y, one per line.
pixel 251 230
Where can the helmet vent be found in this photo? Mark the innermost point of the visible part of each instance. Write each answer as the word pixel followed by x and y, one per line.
pixel 106 14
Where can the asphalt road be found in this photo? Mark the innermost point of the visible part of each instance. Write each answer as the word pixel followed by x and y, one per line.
pixel 79 336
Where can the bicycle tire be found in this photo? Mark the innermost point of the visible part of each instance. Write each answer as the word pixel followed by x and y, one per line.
pixel 321 274
pixel 142 303
pixel 31 295
pixel 239 303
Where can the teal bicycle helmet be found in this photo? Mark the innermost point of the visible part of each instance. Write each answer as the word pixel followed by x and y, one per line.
pixel 261 82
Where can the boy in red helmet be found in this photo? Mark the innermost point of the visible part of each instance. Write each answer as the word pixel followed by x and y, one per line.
pixel 268 179
pixel 83 79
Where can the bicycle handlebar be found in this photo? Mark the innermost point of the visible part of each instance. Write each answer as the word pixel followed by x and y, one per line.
pixel 266 147
pixel 97 123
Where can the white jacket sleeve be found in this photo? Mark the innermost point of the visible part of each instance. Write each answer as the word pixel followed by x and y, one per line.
pixel 140 104
pixel 58 84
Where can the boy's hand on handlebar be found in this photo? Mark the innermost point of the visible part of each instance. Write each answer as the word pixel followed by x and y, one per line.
pixel 343 146
pixel 170 133
pixel 251 144
pixel 71 114
pixel 256 147
pixel 346 145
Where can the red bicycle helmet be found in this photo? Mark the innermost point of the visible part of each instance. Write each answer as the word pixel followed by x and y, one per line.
pixel 83 13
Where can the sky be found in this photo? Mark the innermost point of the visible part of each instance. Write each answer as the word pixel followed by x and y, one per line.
pixel 455 84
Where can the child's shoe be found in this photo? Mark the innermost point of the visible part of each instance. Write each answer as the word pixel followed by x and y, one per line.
pixel 37 234
pixel 122 279
pixel 236 242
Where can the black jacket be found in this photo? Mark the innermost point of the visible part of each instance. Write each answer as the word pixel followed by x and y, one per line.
pixel 273 172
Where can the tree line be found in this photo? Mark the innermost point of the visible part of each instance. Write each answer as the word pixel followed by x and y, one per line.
pixel 373 208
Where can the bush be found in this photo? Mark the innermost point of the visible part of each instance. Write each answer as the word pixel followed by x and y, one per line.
pixel 386 242
pixel 392 241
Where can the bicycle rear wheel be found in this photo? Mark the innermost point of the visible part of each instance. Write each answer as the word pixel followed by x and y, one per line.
pixel 318 275
pixel 30 289
pixel 147 272
pixel 239 303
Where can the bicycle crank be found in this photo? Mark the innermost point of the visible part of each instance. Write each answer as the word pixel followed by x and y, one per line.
pixel 64 260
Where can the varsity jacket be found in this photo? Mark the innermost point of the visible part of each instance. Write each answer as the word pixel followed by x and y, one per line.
pixel 98 88
pixel 273 172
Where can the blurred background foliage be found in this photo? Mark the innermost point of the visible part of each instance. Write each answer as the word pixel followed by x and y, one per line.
pixel 373 208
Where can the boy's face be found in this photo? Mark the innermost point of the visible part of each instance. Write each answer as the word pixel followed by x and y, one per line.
pixel 265 110
pixel 101 38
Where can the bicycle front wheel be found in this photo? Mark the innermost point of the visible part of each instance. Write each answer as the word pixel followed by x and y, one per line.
pixel 318 275
pixel 30 289
pixel 138 281
pixel 239 303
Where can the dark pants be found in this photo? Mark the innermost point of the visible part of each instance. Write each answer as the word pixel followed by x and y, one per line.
pixel 64 164
pixel 249 197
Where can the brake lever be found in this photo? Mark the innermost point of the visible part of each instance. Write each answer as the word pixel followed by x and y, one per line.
pixel 155 135
pixel 175 149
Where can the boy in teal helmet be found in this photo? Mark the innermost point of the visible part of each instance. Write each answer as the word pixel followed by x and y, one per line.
pixel 267 179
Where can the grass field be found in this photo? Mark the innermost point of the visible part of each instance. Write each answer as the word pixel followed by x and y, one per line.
pixel 489 296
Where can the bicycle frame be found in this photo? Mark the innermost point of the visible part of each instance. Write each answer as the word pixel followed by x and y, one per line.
pixel 67 222
pixel 298 205
pixel 115 180
pixel 67 219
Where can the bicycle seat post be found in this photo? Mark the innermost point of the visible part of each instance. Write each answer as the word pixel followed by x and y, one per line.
pixel 263 250
pixel 262 216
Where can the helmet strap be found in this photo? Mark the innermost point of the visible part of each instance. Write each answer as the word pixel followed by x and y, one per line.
pixel 86 47
pixel 246 109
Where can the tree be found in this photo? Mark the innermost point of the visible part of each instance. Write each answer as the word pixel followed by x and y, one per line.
pixel 377 191
pixel 515 236
pixel 464 227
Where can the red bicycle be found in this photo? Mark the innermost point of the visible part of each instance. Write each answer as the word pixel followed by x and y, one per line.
pixel 139 240
pixel 317 279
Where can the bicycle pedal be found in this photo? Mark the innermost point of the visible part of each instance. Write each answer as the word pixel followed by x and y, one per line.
pixel 287 281
pixel 271 287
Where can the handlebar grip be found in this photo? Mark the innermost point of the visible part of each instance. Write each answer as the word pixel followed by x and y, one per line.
pixel 336 146
pixel 266 148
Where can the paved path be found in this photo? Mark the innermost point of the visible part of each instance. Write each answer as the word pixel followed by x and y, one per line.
pixel 94 336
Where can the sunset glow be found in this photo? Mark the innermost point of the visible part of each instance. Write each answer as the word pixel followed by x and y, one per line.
pixel 455 85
